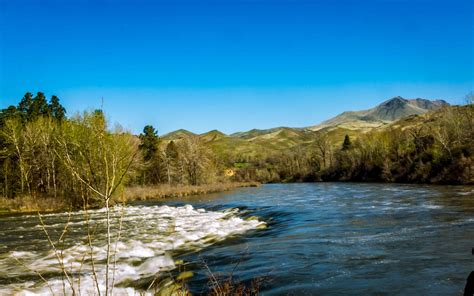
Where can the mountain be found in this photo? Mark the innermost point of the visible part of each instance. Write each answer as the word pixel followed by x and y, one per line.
pixel 399 107
pixel 388 111
pixel 266 142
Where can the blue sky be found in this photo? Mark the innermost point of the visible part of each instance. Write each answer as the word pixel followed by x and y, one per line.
pixel 234 65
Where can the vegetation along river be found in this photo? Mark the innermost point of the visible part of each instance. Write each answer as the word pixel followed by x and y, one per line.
pixel 323 238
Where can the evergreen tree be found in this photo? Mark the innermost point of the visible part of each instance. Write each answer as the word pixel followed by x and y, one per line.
pixel 56 110
pixel 25 105
pixel 172 162
pixel 31 107
pixel 149 142
pixel 346 145
pixel 172 150
pixel 38 107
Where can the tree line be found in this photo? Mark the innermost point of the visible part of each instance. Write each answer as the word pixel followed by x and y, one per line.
pixel 187 161
pixel 82 158
pixel 435 148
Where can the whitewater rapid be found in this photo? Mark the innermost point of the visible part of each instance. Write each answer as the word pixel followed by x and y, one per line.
pixel 150 235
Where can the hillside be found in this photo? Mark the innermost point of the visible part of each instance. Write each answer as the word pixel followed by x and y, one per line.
pixel 277 138
pixel 388 111
pixel 212 136
pixel 262 143
pixel 178 134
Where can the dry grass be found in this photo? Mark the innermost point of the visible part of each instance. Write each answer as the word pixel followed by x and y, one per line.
pixel 168 191
pixel 229 287
pixel 29 204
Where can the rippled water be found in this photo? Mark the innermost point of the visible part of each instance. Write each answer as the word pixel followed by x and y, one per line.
pixel 151 236
pixel 328 238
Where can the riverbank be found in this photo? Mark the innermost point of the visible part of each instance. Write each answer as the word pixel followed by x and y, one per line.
pixel 168 191
pixel 29 204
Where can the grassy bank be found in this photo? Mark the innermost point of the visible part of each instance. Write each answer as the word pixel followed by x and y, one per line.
pixel 29 204
pixel 168 191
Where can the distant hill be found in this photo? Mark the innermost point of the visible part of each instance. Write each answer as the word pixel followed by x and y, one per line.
pixel 178 134
pixel 388 111
pixel 212 135
pixel 255 133
pixel 282 138
pixel 265 142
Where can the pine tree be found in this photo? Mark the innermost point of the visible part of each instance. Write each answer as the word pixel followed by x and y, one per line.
pixel 25 105
pixel 172 150
pixel 172 162
pixel 149 142
pixel 56 110
pixel 38 107
pixel 346 145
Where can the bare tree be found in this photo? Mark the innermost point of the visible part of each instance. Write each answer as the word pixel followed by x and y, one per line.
pixel 12 132
pixel 100 160
pixel 195 160
pixel 323 148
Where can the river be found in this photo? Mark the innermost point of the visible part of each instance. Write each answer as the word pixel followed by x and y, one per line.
pixel 297 239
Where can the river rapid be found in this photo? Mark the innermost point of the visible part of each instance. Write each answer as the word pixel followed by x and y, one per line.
pixel 296 239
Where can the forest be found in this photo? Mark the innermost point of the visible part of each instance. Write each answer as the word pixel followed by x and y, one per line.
pixel 435 148
pixel 83 159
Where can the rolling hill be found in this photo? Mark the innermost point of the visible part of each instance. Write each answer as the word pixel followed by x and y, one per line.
pixel 178 134
pixel 265 142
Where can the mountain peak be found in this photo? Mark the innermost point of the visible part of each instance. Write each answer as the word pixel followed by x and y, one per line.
pixel 388 111
pixel 395 100
pixel 178 134
pixel 214 132
pixel 212 135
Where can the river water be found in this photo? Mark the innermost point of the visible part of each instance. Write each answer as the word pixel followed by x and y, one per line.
pixel 296 239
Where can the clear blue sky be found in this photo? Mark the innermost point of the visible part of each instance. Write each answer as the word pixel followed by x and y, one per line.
pixel 237 64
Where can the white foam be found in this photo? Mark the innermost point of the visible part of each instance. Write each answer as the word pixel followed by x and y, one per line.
pixel 464 193
pixel 432 206
pixel 149 235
